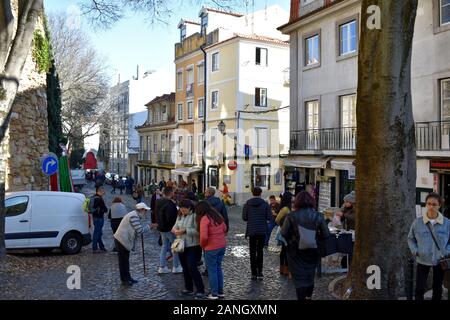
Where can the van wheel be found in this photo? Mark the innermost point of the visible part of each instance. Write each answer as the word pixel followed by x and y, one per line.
pixel 45 250
pixel 71 243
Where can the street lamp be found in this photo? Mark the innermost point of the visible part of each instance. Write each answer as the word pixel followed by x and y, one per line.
pixel 221 126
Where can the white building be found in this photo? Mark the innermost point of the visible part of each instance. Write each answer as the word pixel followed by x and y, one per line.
pixel 128 98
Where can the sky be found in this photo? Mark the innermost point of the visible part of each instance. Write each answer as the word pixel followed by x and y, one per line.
pixel 133 41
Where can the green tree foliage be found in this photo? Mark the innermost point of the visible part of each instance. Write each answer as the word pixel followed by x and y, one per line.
pixel 55 132
pixel 42 52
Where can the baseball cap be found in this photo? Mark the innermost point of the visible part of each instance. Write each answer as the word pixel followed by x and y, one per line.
pixel 142 205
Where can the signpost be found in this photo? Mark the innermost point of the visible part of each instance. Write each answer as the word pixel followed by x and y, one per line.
pixel 50 164
pixel 232 165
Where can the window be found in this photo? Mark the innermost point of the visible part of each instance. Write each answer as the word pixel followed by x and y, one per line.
pixel 215 100
pixel 180 80
pixel 182 33
pixel 261 176
pixel 190 106
pixel 149 147
pixel 348 122
pixel 312 50
pixel 190 75
pixel 260 97
pixel 16 206
pixel 200 144
pixel 200 106
pixel 347 38
pixel 180 144
pixel 150 116
pixel 201 73
pixel 190 141
pixel 164 113
pixel 445 99
pixel 445 12
pixel 348 111
pixel 312 115
pixel 261 135
pixel 204 24
pixel 180 111
pixel 215 61
pixel 312 125
pixel 213 141
pixel 163 142
pixel 155 143
pixel 213 177
pixel 261 57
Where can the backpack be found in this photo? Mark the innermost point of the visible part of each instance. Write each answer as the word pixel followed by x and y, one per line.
pixel 91 209
pixel 86 205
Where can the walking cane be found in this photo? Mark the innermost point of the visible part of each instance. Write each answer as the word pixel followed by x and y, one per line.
pixel 143 253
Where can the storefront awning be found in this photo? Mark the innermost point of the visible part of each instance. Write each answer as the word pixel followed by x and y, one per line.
pixel 186 171
pixel 307 162
pixel 341 163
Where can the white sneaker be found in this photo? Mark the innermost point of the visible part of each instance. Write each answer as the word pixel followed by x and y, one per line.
pixel 163 270
pixel 177 270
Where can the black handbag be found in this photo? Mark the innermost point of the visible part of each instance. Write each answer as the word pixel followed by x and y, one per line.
pixel 444 261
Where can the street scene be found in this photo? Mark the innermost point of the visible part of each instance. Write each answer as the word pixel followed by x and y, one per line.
pixel 225 150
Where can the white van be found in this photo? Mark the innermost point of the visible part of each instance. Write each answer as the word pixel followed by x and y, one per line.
pixel 46 220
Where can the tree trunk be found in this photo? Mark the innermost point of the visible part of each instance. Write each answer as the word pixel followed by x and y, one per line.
pixel 9 84
pixel 386 154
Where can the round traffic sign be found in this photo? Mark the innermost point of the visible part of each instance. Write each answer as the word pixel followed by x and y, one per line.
pixel 50 164
pixel 232 165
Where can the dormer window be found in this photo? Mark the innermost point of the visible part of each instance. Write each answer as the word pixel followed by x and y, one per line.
pixel 204 23
pixel 182 33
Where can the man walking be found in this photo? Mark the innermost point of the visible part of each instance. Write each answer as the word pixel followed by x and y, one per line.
pixel 97 209
pixel 166 216
pixel 257 214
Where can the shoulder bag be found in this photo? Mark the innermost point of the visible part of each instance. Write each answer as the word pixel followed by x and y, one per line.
pixel 444 261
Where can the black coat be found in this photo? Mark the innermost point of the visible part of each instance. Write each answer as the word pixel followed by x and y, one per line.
pixel 220 207
pixel 303 263
pixel 166 214
pixel 257 213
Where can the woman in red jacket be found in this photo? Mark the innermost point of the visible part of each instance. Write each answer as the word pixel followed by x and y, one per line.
pixel 212 239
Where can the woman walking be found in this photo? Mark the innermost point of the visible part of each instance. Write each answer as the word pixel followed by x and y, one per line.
pixel 302 229
pixel 286 206
pixel 428 240
pixel 212 239
pixel 125 237
pixel 116 214
pixel 186 229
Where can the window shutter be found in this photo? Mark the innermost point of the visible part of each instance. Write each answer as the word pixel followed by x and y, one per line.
pixel 257 97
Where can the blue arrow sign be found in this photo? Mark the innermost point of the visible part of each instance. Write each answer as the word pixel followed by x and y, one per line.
pixel 50 164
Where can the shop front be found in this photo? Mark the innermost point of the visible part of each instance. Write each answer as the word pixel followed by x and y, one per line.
pixel 441 170
pixel 345 173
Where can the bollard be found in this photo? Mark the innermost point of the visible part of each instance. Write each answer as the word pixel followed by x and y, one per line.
pixel 409 279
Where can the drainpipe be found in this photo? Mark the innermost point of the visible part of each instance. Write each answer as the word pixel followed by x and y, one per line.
pixel 205 96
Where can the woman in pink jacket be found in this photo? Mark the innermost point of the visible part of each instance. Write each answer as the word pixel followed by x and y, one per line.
pixel 212 239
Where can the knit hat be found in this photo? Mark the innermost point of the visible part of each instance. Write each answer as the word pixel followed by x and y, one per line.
pixel 351 197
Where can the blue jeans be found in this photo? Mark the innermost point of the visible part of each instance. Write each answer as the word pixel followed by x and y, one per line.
pixel 270 227
pixel 214 260
pixel 167 238
pixel 98 233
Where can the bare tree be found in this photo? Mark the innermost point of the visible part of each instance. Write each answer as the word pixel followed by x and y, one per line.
pixel 83 75
pixel 386 154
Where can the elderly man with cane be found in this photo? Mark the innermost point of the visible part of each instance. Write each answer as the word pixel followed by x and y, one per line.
pixel 124 238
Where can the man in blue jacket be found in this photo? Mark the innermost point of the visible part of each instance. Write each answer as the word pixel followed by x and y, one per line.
pixel 217 204
pixel 257 214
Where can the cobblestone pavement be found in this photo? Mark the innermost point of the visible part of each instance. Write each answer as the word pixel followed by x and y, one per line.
pixel 32 275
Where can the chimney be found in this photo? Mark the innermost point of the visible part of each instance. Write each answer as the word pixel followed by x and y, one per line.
pixel 295 10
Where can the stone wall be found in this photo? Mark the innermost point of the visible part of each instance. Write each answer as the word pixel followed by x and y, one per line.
pixel 27 137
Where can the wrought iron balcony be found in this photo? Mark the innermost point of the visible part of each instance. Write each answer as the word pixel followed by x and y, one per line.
pixel 166 157
pixel 324 139
pixel 430 136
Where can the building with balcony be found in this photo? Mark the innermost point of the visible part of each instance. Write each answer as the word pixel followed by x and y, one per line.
pixel 157 154
pixel 323 79
pixel 247 118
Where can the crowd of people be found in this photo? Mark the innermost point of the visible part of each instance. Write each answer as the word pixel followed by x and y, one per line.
pixel 193 232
